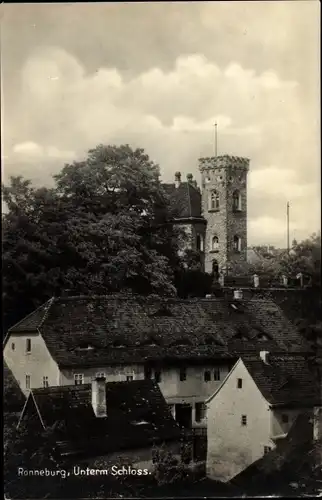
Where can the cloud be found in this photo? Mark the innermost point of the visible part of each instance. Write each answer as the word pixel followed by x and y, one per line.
pixel 279 181
pixel 29 151
pixel 171 113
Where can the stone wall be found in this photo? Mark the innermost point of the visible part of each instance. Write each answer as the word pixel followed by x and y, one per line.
pixel 224 175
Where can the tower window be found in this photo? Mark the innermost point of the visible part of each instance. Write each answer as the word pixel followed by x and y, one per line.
pixel 207 376
pixel 239 383
pixel 45 381
pixel 199 242
pixel 236 201
pixel 27 381
pixel 214 201
pixel 157 376
pixel 215 244
pixel 237 244
pixel 217 374
pixel 244 420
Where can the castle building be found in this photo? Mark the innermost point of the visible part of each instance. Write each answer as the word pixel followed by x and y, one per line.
pixel 215 216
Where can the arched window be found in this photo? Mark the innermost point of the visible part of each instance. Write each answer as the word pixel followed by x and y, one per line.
pixel 199 242
pixel 237 244
pixel 214 200
pixel 236 201
pixel 215 244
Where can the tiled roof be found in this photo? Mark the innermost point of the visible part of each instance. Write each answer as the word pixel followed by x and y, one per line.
pixel 129 404
pixel 285 380
pixel 185 200
pixel 94 330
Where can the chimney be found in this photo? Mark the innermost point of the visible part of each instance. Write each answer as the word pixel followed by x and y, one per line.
pixel 256 281
pixel 189 178
pixel 238 294
pixel 177 179
pixel 264 356
pixel 99 396
pixel 317 423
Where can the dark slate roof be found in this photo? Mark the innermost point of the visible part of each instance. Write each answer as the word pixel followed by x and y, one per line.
pixel 129 404
pixel 185 200
pixel 285 380
pixel 95 330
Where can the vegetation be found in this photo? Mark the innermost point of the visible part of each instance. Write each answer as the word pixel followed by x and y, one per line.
pixel 104 227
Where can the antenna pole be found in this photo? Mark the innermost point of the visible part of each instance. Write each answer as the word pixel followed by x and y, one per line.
pixel 288 226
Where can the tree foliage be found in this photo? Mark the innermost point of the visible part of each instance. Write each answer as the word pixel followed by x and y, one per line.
pixel 104 227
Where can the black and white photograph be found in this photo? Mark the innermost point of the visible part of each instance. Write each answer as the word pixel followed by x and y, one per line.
pixel 161 249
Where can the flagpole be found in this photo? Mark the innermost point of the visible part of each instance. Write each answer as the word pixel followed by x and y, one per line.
pixel 288 226
pixel 216 139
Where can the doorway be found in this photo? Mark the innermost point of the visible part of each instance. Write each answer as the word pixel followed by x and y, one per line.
pixel 184 415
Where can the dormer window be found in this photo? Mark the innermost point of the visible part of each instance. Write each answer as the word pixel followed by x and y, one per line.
pixel 237 244
pixel 85 347
pixel 214 200
pixel 237 201
pixel 215 244
pixel 262 337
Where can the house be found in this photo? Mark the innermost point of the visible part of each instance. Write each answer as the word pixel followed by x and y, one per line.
pixel 295 462
pixel 105 422
pixel 254 408
pixel 187 346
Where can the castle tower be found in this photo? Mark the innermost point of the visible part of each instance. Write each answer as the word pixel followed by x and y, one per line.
pixel 224 206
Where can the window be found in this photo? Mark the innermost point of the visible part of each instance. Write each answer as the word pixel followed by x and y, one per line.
pixel 157 376
pixel 45 381
pixel 199 242
pixel 13 346
pixel 28 345
pixel 100 375
pixel 183 374
pixel 237 244
pixel 129 378
pixel 207 376
pixel 79 378
pixel 214 201
pixel 285 418
pixel 244 420
pixel 215 244
pixel 200 411
pixel 239 383
pixel 147 372
pixel 236 201
pixel 27 381
pixel 267 449
pixel 217 374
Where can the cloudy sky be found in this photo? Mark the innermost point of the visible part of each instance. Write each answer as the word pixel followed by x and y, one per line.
pixel 157 76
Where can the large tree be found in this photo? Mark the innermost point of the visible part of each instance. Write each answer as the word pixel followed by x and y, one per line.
pixel 103 227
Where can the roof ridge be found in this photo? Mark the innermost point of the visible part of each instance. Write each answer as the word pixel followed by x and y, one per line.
pixel 50 303
pixel 28 316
